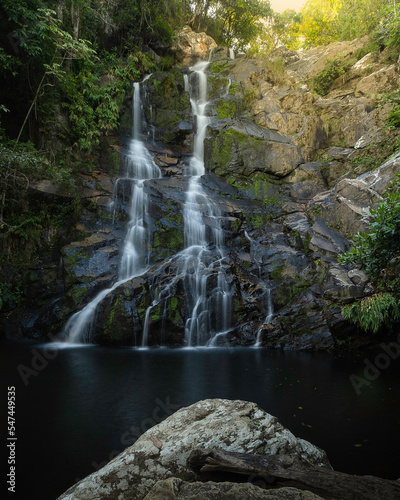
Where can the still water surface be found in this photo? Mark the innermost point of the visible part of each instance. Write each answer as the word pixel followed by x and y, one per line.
pixel 84 405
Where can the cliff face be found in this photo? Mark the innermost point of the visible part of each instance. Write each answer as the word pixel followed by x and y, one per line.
pixel 293 175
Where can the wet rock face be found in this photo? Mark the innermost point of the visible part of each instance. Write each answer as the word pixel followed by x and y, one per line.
pixel 347 205
pixel 167 108
pixel 163 450
pixel 283 214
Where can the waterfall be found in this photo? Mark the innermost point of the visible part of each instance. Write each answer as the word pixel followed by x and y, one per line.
pixel 138 167
pixel 231 53
pixel 199 104
pixel 202 264
pixel 228 87
pixel 209 312
pixel 186 82
pixel 201 267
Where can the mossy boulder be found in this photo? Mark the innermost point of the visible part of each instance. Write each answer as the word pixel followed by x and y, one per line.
pixel 121 315
pixel 168 107
pixel 241 149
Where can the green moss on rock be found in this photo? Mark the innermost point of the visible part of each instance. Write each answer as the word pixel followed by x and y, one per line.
pixel 117 323
pixel 225 109
pixel 167 240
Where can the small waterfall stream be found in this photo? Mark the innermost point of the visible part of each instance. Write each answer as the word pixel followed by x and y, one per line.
pixel 266 287
pixel 268 319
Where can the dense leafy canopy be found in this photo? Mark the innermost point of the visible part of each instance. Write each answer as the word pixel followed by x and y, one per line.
pixel 230 22
pixel 321 22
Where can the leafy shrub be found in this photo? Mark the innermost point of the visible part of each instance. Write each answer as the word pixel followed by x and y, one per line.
pixel 372 313
pixel 393 119
pixel 378 253
pixel 375 250
pixel 94 96
pixel 10 295
pixel 21 164
pixel 322 82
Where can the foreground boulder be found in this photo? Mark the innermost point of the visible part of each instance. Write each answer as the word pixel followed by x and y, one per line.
pixel 162 452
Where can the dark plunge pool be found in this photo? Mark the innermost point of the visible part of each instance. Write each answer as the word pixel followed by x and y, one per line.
pixel 78 407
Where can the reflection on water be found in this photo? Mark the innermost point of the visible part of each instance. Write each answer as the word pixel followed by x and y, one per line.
pixel 78 407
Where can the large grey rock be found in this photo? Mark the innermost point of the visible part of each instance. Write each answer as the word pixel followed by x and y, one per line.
pixel 190 47
pixel 163 450
pixel 306 181
pixel 327 241
pixel 174 488
pixel 300 325
pixel 383 80
pixel 314 60
pixel 243 149
pixel 347 205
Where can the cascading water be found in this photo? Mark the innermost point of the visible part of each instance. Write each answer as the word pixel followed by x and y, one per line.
pixel 199 103
pixel 267 290
pixel 138 167
pixel 203 257
pixel 268 319
pixel 202 264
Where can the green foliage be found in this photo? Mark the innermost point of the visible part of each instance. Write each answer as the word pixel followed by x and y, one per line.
pixel 368 162
pixel 225 109
pixel 10 295
pixel 322 82
pixel 250 94
pixel 378 253
pixel 393 119
pixel 220 67
pixel 166 63
pixel 233 23
pixel 388 30
pixel 375 250
pixel 373 313
pixel 94 99
pixel 165 88
pixel 321 22
pixel 284 29
pixel 21 164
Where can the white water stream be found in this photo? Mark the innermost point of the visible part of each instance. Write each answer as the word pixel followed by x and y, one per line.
pixel 202 263
pixel 268 319
pixel 138 166
pixel 267 290
pixel 204 255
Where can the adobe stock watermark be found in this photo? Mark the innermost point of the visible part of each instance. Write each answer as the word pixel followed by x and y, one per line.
pixel 372 369
pixel 161 411
pixel 39 361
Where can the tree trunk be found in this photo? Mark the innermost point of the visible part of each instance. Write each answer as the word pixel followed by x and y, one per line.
pixel 290 471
